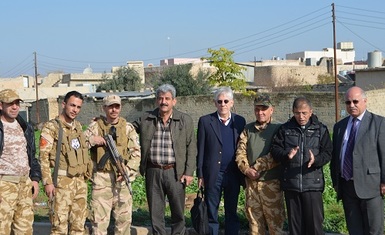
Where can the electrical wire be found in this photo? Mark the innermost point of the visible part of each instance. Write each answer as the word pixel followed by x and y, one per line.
pixel 301 25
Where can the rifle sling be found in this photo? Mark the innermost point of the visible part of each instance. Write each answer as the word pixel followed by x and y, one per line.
pixel 58 150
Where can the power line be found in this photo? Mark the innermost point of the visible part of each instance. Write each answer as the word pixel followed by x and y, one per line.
pixel 363 39
pixel 362 21
pixel 281 40
pixel 16 70
pixel 304 24
pixel 361 9
pixel 286 35
pixel 81 61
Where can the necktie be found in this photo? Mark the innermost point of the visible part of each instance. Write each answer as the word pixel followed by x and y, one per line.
pixel 348 160
pixel 224 121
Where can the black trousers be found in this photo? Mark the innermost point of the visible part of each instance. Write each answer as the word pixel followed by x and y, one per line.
pixel 305 212
pixel 363 216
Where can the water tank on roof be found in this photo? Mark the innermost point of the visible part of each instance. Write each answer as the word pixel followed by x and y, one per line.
pixel 375 59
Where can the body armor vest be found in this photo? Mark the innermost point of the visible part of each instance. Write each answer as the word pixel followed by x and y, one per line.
pixel 121 140
pixel 74 157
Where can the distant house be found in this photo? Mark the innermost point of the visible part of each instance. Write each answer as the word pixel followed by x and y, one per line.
pixel 345 53
pixel 372 77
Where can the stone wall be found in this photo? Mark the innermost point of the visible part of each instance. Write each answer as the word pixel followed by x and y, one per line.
pixel 284 75
pixel 196 106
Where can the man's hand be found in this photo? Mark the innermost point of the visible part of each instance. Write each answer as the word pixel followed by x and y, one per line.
pixel 201 183
pixel 98 140
pixel 49 190
pixel 311 161
pixel 35 188
pixel 252 174
pixel 119 178
pixel 382 187
pixel 293 152
pixel 186 179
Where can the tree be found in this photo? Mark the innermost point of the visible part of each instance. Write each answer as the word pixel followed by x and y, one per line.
pixel 123 79
pixel 185 84
pixel 228 73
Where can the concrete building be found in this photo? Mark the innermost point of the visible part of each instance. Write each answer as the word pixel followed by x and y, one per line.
pixel 176 61
pixel 371 78
pixel 345 53
pixel 87 78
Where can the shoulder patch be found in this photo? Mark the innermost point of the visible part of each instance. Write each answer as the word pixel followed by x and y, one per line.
pixel 43 142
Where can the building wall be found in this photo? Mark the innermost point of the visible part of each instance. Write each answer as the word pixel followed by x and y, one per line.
pixel 18 82
pixel 175 61
pixel 138 66
pixel 282 75
pixel 376 102
pixel 344 56
pixel 29 94
pixel 76 79
pixel 286 62
pixel 370 79
pixel 51 80
pixel 196 106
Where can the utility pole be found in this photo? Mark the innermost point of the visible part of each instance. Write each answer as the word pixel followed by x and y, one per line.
pixel 336 84
pixel 37 92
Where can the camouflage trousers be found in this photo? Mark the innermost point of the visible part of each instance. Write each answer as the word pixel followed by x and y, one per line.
pixel 68 209
pixel 264 207
pixel 109 196
pixel 16 214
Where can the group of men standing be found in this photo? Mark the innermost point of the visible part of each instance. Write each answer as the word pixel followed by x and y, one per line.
pixel 276 163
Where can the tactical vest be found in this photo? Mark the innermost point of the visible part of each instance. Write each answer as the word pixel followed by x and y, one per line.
pixel 74 157
pixel 97 152
pixel 261 146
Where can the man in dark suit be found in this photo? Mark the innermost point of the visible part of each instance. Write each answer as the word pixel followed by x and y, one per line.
pixel 218 135
pixel 358 164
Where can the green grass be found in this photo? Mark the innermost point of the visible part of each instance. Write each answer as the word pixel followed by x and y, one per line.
pixel 334 216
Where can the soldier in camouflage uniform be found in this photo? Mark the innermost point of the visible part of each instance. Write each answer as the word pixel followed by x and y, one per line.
pixel 109 191
pixel 264 199
pixel 19 168
pixel 66 187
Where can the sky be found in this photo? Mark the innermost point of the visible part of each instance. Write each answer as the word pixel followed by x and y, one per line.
pixel 71 35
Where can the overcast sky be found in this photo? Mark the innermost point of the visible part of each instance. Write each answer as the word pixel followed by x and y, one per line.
pixel 71 35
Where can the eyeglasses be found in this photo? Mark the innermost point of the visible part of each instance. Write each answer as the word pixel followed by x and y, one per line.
pixel 348 102
pixel 221 101
pixel 299 113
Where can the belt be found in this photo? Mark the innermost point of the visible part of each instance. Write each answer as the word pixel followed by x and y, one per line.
pixel 14 178
pixel 65 173
pixel 163 167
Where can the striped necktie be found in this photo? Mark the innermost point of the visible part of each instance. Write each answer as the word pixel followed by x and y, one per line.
pixel 347 172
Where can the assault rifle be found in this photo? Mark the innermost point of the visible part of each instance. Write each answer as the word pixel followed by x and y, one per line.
pixel 117 160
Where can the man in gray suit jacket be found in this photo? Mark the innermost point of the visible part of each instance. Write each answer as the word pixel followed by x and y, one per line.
pixel 358 165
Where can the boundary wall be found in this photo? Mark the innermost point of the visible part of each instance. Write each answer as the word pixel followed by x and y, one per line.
pixel 196 106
